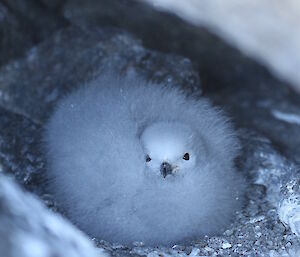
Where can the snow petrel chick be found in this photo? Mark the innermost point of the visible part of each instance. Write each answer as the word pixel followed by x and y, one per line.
pixel 129 161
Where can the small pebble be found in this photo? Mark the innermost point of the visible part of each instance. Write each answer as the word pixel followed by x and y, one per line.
pixel 226 245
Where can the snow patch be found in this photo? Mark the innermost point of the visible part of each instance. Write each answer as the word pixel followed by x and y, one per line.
pixel 287 117
pixel 289 213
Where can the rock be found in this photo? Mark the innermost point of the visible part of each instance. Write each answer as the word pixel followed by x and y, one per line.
pixel 266 166
pixel 294 252
pixel 32 85
pixel 261 29
pixel 54 5
pixel 28 229
pixel 289 205
pixel 20 150
pixel 22 25
pixel 38 19
pixel 272 104
pixel 13 38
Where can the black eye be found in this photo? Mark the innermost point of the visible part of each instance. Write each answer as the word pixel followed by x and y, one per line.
pixel 148 159
pixel 186 156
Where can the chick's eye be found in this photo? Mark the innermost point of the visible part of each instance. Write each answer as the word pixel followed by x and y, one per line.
pixel 148 159
pixel 186 156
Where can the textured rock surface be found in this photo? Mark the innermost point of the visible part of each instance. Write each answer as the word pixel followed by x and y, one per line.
pixel 38 19
pixel 20 151
pixel 267 106
pixel 289 206
pixel 13 39
pixel 263 108
pixel 266 30
pixel 23 24
pixel 31 86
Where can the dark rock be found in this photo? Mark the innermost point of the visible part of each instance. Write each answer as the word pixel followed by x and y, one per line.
pixel 54 5
pixel 38 20
pixel 268 107
pixel 20 150
pixel 72 56
pixel 13 38
pixel 24 24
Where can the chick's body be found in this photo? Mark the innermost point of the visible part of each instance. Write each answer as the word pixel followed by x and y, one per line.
pixel 132 161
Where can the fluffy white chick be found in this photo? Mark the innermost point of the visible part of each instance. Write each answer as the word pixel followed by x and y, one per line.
pixel 132 161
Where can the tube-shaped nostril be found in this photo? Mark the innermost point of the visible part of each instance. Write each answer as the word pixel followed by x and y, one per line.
pixel 165 169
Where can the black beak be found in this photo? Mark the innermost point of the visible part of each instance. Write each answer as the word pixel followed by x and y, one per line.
pixel 165 169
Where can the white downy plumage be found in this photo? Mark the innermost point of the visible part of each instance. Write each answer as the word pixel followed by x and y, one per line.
pixel 132 161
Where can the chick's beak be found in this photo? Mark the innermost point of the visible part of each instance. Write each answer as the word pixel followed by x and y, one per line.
pixel 165 169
